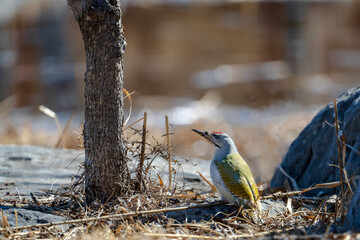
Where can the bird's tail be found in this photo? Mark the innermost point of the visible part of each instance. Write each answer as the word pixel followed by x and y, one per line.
pixel 252 210
pixel 255 212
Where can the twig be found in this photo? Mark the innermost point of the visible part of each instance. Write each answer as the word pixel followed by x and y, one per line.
pixel 228 224
pixel 187 196
pixel 203 226
pixel 281 195
pixel 64 131
pixel 142 155
pixel 342 186
pixel 133 123
pixel 128 95
pixel 5 224
pixel 51 114
pixel 33 198
pixel 168 150
pixel 294 193
pixel 323 185
pixel 343 141
pixel 16 218
pixel 20 197
pixel 74 159
pixel 319 211
pixel 352 148
pixel 296 187
pixel 207 181
pixel 149 165
pixel 121 216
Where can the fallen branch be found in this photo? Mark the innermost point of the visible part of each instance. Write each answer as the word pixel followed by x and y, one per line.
pixel 281 195
pixel 121 216
pixel 294 193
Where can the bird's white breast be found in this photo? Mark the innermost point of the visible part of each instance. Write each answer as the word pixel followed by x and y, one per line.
pixel 219 184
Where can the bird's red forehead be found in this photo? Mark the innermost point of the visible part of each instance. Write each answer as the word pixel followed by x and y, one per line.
pixel 217 133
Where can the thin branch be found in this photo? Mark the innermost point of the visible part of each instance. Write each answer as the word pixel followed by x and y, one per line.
pixel 142 155
pixel 120 216
pixel 207 181
pixel 341 166
pixel 168 150
pixel 64 131
pixel 281 195
pixel 294 193
pixel 133 124
pixel 51 114
pixel 295 185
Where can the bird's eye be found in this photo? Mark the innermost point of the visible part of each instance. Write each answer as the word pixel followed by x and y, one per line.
pixel 206 133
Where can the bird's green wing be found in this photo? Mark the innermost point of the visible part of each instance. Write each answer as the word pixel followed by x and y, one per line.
pixel 237 177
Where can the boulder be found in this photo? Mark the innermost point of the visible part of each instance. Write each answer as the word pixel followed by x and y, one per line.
pixel 310 157
pixel 352 221
pixel 27 217
pixel 31 169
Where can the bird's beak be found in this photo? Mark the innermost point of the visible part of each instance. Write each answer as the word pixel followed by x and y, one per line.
pixel 203 134
pixel 206 135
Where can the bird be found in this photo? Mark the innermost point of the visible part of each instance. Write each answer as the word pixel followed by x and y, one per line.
pixel 231 174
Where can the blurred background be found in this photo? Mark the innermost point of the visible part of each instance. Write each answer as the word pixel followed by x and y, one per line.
pixel 258 70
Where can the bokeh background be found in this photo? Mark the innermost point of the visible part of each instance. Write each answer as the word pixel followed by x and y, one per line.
pixel 258 70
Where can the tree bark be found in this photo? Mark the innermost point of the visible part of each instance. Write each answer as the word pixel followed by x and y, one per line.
pixel 106 174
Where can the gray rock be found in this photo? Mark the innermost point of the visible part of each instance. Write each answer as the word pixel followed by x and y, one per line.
pixel 352 221
pixel 273 208
pixel 309 158
pixel 26 169
pixel 30 217
pixel 31 169
pixel 201 214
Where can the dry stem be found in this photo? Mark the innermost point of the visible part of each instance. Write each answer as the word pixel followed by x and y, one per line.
pixel 341 164
pixel 168 150
pixel 142 156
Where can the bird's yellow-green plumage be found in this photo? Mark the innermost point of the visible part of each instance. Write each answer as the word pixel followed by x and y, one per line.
pixel 237 177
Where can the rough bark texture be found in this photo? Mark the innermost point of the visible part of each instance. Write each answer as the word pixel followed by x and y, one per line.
pixel 310 156
pixel 106 172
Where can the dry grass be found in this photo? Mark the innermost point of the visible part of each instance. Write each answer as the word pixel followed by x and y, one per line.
pixel 140 214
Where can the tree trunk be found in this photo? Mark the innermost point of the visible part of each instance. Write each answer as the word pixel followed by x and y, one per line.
pixel 106 174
